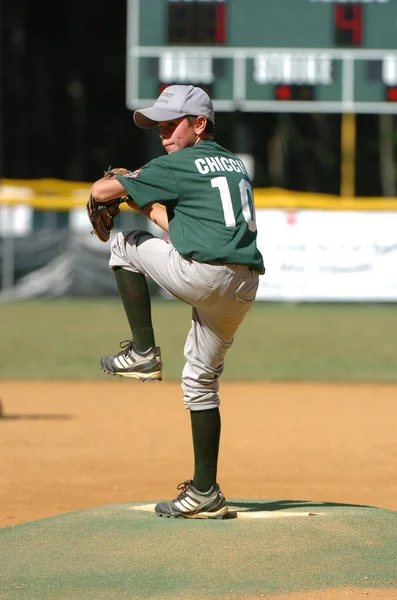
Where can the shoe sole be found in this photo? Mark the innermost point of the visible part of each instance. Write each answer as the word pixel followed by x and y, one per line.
pixel 219 514
pixel 156 376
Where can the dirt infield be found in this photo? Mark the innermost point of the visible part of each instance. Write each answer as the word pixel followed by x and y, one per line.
pixel 69 446
pixel 339 594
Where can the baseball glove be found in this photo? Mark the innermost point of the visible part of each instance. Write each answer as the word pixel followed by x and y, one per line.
pixel 101 214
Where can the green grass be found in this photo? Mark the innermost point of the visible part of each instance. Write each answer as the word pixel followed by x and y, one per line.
pixel 63 339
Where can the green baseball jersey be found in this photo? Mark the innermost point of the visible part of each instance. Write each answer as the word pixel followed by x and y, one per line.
pixel 209 201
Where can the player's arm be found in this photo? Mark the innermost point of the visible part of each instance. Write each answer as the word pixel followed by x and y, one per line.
pixel 107 189
pixel 145 188
pixel 155 212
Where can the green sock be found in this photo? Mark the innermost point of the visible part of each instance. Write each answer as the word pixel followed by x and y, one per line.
pixel 134 293
pixel 206 431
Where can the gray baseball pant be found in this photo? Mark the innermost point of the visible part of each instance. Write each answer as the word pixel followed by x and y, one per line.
pixel 220 296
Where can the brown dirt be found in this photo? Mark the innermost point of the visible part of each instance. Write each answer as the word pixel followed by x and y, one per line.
pixel 73 445
pixel 337 594
pixel 68 446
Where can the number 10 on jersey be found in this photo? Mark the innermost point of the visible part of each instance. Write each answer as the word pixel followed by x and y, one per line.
pixel 246 198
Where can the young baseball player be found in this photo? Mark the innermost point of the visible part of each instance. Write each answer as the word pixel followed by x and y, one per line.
pixel 201 194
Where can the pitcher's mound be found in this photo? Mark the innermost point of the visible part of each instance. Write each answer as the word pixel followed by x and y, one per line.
pixel 265 549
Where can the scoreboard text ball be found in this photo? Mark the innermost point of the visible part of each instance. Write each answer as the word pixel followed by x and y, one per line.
pixel 267 55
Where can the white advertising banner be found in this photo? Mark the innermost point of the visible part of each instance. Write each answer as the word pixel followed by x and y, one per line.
pixel 319 255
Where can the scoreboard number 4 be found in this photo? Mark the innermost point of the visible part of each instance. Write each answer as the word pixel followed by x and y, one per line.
pixel 348 21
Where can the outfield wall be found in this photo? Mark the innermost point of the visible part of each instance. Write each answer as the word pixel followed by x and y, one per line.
pixel 318 255
pixel 316 247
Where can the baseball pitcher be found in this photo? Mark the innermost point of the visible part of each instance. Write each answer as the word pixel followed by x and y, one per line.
pixel 201 194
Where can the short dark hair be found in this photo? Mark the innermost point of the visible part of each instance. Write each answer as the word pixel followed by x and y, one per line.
pixel 209 128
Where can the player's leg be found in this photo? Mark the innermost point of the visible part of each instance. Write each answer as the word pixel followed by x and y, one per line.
pixel 134 293
pixel 204 352
pixel 206 431
pixel 134 256
pixel 139 358
pixel 201 497
pixel 210 337
pixel 141 252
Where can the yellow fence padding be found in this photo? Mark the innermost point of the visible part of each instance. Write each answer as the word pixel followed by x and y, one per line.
pixel 60 195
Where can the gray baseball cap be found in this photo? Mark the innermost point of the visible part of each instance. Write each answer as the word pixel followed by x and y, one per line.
pixel 174 102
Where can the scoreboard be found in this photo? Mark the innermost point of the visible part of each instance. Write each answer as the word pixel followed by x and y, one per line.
pixel 329 56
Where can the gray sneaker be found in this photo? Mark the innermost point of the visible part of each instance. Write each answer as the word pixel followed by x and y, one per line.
pixel 192 504
pixel 131 363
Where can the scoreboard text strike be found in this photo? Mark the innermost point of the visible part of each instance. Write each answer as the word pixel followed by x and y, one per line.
pixel 267 55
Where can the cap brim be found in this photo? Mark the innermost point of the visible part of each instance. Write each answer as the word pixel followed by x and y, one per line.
pixel 149 117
